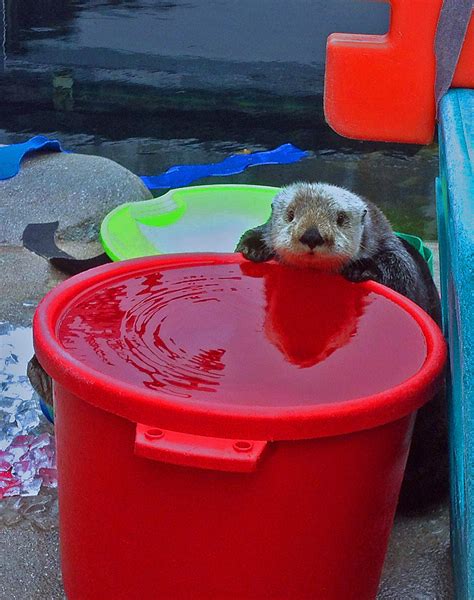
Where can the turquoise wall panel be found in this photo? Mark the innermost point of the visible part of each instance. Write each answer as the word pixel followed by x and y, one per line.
pixel 455 208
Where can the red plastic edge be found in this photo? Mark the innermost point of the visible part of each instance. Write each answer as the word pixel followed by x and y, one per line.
pixel 220 420
pixel 188 450
pixel 381 87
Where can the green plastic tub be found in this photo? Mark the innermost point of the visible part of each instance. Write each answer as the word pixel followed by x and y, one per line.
pixel 207 218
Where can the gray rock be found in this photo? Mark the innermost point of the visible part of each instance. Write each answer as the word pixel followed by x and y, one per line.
pixel 75 189
pixel 26 278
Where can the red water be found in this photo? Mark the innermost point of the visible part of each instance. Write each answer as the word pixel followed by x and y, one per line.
pixel 253 335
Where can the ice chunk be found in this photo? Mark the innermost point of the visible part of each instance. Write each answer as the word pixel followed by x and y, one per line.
pixel 27 452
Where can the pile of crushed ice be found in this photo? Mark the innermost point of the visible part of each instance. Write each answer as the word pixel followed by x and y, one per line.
pixel 27 450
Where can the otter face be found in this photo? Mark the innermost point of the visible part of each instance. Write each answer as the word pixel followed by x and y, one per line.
pixel 317 225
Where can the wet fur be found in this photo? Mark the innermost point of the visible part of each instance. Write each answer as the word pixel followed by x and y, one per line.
pixel 366 248
pixel 40 381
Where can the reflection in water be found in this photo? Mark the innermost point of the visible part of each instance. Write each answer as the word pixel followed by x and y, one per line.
pixel 257 335
pixel 3 21
pixel 308 318
pixel 35 20
pixel 223 29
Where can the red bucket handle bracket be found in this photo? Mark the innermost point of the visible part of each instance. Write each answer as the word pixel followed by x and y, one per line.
pixel 189 450
pixel 381 87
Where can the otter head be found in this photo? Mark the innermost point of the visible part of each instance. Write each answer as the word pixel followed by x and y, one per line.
pixel 316 225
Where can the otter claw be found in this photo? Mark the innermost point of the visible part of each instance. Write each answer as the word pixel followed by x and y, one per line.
pixel 253 247
pixel 361 271
pixel 255 254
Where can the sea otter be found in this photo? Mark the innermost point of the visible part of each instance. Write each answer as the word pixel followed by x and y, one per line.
pixel 322 226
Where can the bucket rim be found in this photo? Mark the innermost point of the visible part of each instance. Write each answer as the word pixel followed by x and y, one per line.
pixel 140 405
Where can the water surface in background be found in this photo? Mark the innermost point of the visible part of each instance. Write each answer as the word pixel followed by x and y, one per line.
pixel 401 184
pixel 293 31
pixel 222 46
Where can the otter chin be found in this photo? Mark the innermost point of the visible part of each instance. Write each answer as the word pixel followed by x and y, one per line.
pixel 312 259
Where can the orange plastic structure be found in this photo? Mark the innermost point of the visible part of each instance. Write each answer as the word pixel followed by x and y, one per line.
pixel 381 87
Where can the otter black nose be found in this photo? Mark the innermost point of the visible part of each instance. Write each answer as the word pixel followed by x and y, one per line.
pixel 312 238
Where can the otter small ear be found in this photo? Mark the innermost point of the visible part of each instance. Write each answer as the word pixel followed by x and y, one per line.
pixel 363 214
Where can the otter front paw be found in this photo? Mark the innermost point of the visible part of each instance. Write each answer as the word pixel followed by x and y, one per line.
pixel 362 270
pixel 253 246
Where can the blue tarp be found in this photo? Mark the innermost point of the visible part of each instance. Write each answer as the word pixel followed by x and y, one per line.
pixel 183 175
pixel 11 156
pixel 177 176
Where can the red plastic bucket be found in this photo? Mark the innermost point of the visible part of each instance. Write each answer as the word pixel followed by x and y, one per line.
pixel 228 430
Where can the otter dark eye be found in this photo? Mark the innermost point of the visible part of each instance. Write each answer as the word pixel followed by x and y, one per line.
pixel 290 215
pixel 341 218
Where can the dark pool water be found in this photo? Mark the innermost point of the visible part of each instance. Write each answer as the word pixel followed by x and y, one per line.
pixel 151 84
